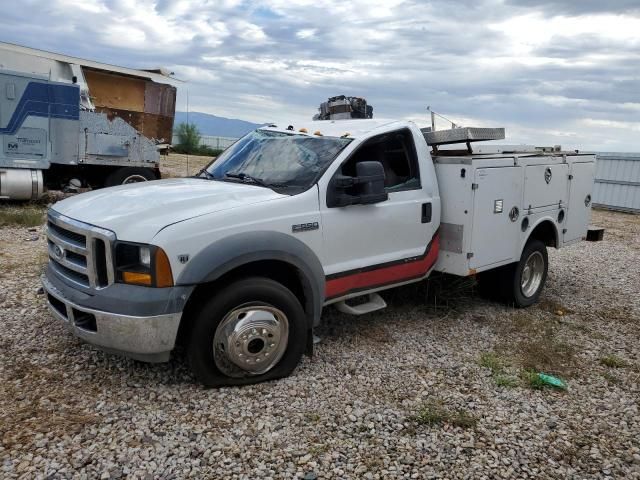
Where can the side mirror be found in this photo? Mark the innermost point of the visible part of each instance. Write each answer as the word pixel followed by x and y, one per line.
pixel 371 182
pixel 364 189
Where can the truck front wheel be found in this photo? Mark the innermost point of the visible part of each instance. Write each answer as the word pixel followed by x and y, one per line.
pixel 126 175
pixel 251 331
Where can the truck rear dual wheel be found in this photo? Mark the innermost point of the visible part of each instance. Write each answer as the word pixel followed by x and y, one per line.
pixel 520 283
pixel 125 175
pixel 251 331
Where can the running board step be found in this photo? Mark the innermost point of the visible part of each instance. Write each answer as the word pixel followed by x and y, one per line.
pixel 374 302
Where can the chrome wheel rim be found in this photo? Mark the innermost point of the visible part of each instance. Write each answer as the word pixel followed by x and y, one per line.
pixel 531 276
pixel 250 340
pixel 134 179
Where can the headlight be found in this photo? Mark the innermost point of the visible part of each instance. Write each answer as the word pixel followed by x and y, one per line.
pixel 139 264
pixel 145 256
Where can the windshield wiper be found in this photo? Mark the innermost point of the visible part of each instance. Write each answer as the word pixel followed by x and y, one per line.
pixel 207 175
pixel 248 178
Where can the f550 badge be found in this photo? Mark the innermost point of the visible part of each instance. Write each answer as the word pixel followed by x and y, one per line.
pixel 305 227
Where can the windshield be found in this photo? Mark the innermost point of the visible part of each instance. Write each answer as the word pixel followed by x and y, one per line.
pixel 287 162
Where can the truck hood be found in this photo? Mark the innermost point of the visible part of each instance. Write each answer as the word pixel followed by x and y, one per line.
pixel 138 211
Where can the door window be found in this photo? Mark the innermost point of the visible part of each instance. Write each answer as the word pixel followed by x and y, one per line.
pixel 397 154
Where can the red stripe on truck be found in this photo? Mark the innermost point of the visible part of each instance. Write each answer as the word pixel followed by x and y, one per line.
pixel 366 278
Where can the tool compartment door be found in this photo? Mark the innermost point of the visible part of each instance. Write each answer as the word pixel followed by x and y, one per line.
pixel 579 210
pixel 495 237
pixel 545 185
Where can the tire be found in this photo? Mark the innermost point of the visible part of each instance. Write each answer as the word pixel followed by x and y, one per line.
pixel 126 175
pixel 522 282
pixel 223 334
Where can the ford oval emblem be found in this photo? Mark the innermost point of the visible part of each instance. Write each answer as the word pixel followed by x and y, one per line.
pixel 58 252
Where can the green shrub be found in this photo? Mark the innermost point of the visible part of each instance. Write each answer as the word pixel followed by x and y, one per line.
pixel 203 150
pixel 532 379
pixel 188 137
pixel 613 361
pixel 207 151
pixel 431 414
pixel 492 361
pixel 506 381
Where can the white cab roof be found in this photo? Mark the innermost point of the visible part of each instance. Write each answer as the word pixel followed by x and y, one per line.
pixel 338 128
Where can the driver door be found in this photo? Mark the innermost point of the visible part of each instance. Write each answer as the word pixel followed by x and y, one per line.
pixel 370 246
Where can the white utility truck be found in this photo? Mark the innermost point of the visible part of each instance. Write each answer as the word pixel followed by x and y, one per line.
pixel 238 262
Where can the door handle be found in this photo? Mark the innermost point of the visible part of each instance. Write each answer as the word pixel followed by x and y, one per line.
pixel 426 212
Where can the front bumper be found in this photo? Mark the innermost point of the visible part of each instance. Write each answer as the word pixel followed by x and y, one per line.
pixel 146 338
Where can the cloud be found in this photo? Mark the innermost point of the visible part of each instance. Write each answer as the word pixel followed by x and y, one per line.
pixel 306 33
pixel 550 72
pixel 581 7
pixel 632 126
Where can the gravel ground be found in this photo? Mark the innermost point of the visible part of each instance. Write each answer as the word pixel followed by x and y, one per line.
pixel 435 386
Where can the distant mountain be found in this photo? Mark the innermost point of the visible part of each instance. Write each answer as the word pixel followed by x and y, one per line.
pixel 216 126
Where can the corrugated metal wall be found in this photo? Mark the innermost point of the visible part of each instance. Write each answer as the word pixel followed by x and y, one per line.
pixel 617 184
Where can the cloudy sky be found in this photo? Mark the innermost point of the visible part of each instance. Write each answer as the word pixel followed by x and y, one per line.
pixel 553 72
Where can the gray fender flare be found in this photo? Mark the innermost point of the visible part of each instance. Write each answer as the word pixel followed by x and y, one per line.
pixel 236 250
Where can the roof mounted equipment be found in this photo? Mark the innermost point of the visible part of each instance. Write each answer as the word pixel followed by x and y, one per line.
pixel 342 107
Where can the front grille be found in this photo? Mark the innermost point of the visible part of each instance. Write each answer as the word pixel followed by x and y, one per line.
pixel 76 277
pixel 79 252
pixel 77 259
pixel 69 236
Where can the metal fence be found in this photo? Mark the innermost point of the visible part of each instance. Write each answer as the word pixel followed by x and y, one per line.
pixel 219 143
pixel 617 183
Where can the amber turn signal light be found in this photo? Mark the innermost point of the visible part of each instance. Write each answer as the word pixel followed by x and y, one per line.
pixel 137 278
pixel 164 277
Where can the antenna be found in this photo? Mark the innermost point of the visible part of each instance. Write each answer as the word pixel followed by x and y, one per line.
pixel 188 126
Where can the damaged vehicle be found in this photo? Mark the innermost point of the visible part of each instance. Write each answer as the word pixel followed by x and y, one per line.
pixel 68 123
pixel 238 263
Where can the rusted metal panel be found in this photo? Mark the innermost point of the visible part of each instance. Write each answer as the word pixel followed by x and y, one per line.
pixel 158 127
pixel 159 99
pixel 153 98
pixel 135 119
pixel 116 91
pixel 147 106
